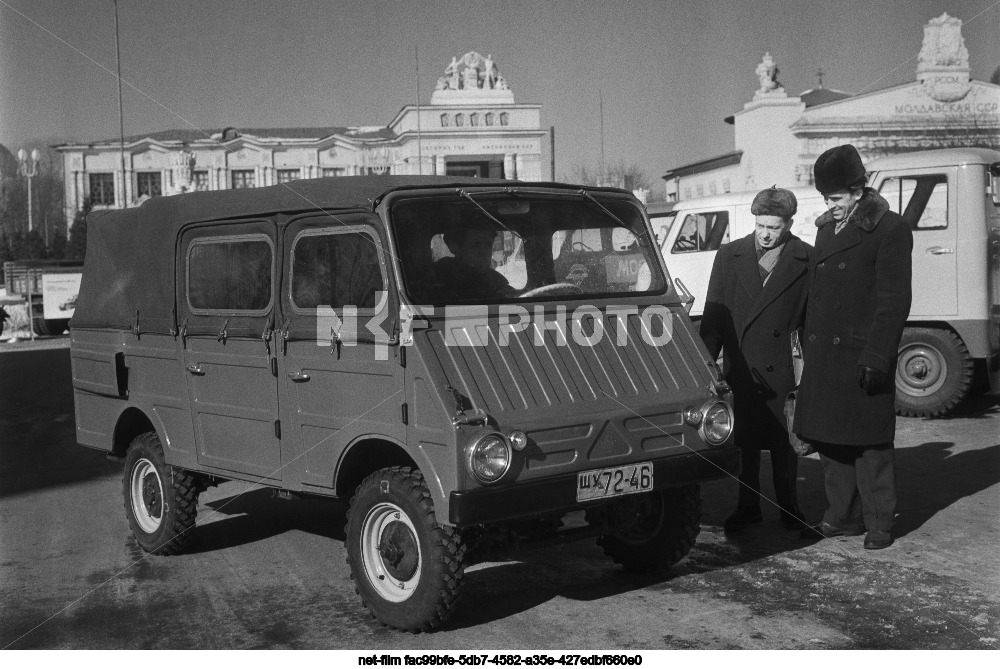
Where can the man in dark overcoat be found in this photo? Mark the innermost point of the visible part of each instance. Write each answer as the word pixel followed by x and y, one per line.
pixel 859 299
pixel 756 299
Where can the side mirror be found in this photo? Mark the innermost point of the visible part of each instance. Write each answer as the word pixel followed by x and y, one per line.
pixel 686 297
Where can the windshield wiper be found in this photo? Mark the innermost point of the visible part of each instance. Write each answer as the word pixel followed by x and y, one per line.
pixel 610 213
pixel 461 191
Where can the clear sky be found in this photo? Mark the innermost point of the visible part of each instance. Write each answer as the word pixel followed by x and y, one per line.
pixel 669 70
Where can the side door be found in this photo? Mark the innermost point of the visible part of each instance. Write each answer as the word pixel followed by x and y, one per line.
pixel 340 376
pixel 922 199
pixel 226 304
pixel 691 246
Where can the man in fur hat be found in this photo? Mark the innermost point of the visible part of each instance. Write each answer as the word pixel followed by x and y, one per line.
pixel 859 299
pixel 756 299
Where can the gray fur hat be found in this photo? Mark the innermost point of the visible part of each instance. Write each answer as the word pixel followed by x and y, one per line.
pixel 774 201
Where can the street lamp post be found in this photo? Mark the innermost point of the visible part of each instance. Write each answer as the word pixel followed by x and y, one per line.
pixel 27 166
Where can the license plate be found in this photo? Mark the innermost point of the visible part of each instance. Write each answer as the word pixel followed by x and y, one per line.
pixel 614 482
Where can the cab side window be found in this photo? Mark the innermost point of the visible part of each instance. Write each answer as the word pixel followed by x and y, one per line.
pixel 231 275
pixel 336 269
pixel 705 231
pixel 922 201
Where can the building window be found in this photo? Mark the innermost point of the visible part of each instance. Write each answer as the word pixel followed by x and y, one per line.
pixel 504 118
pixel 712 188
pixel 378 171
pixel 490 118
pixel 149 184
pixel 459 120
pixel 288 175
pixel 700 190
pixel 687 192
pixel 333 171
pixel 474 119
pixel 102 188
pixel 201 179
pixel 445 120
pixel 726 186
pixel 244 179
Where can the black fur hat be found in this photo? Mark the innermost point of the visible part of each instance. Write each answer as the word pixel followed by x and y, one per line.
pixel 839 168
pixel 774 201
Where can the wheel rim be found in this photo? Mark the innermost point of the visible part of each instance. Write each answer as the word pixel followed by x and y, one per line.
pixel 390 552
pixel 147 495
pixel 638 518
pixel 921 370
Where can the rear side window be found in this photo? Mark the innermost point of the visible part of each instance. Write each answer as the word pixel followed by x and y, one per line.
pixel 705 231
pixel 336 269
pixel 230 274
pixel 922 201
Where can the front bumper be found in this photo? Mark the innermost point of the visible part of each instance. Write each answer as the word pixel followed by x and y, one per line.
pixel 558 493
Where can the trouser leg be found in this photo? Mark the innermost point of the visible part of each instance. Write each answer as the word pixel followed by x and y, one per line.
pixel 876 477
pixel 749 494
pixel 785 469
pixel 843 501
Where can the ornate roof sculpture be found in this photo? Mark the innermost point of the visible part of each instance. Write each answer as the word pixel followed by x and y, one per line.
pixel 943 69
pixel 472 78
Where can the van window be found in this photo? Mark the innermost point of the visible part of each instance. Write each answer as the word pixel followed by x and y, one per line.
pixel 336 269
pixel 231 274
pixel 922 201
pixel 705 231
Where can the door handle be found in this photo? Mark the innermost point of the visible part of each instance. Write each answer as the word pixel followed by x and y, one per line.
pixel 938 250
pixel 298 376
pixel 196 369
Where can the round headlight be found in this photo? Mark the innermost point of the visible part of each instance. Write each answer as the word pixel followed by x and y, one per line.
pixel 692 416
pixel 489 458
pixel 718 423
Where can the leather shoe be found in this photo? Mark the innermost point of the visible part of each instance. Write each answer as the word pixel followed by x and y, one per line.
pixel 826 531
pixel 878 539
pixel 742 518
pixel 792 518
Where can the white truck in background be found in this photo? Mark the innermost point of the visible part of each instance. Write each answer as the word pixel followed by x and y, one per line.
pixel 951 197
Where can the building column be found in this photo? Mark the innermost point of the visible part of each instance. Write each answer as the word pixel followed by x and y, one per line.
pixel 439 165
pixel 510 166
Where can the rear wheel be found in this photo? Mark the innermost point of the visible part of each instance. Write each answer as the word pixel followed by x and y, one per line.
pixel 933 372
pixel 406 567
pixel 653 530
pixel 161 502
pixel 50 326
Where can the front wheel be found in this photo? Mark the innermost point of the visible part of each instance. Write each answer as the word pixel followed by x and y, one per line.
pixel 406 567
pixel 161 502
pixel 652 531
pixel 933 372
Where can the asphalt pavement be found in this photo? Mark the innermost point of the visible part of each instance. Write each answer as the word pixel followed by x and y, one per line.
pixel 271 573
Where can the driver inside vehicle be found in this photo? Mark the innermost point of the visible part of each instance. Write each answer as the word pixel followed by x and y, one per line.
pixel 468 272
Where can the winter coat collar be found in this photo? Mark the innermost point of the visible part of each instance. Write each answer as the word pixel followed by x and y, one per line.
pixel 869 211
pixel 793 246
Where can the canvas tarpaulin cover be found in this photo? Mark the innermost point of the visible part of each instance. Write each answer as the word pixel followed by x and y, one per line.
pixel 128 274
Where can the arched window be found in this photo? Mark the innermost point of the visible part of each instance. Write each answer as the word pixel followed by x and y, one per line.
pixel 473 119
pixel 459 120
pixel 445 120
pixel 504 118
pixel 490 118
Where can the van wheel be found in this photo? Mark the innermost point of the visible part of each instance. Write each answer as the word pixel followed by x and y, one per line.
pixel 161 501
pixel 654 530
pixel 406 567
pixel 45 327
pixel 933 372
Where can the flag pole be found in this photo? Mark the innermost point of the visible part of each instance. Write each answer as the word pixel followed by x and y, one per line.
pixel 121 117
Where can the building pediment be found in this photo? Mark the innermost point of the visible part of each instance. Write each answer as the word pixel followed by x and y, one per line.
pixel 908 105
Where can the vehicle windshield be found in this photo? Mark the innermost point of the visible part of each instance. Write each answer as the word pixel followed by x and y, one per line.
pixel 522 247
pixel 661 224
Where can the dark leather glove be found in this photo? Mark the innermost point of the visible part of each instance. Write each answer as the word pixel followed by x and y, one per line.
pixel 871 380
